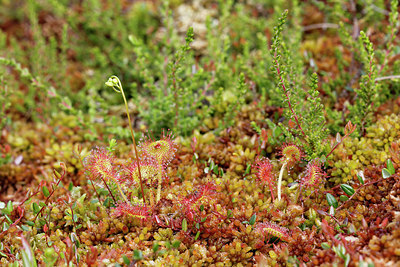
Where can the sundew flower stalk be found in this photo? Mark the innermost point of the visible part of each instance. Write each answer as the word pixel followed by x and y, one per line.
pixel 116 85
pixel 291 154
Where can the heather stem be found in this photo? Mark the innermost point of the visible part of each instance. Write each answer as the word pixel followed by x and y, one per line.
pixel 116 85
pixel 278 71
pixel 280 180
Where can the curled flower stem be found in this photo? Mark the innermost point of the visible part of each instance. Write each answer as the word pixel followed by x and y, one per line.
pixel 116 85
pixel 280 180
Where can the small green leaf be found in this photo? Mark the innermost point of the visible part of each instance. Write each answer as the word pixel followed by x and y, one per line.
pixel 5 226
pixel 248 169
pixel 347 260
pixel 156 246
pixel 126 260
pixel 25 228
pixel 30 223
pixel 176 244
pixel 137 254
pixel 10 206
pixel 184 225
pixel 107 202
pixel 253 219
pixel 46 192
pixel 35 208
pixel 197 235
pixel 360 176
pixel 325 245
pixel 197 225
pixel 162 252
pixel 215 169
pixel 386 173
pixel 8 218
pixel 70 186
pixel 229 214
pixel 390 167
pixel 347 189
pixel 343 198
pixel 331 200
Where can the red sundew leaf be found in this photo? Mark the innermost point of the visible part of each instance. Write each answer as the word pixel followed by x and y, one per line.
pixel 268 229
pixel 314 174
pixel 100 165
pixel 265 173
pixel 91 257
pixel 191 203
pixel 136 210
pixel 162 150
pixel 148 169
pixel 291 153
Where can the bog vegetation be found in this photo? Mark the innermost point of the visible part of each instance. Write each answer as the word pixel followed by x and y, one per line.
pixel 175 133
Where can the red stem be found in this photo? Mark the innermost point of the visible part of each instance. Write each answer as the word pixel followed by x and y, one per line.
pixel 52 192
pixel 287 96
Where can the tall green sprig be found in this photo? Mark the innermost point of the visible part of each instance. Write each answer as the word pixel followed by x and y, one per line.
pixel 303 109
pixel 367 97
pixel 280 70
pixel 174 67
pixel 314 121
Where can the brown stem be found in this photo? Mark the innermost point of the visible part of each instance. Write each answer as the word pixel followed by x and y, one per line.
pixel 80 160
pixel 54 189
